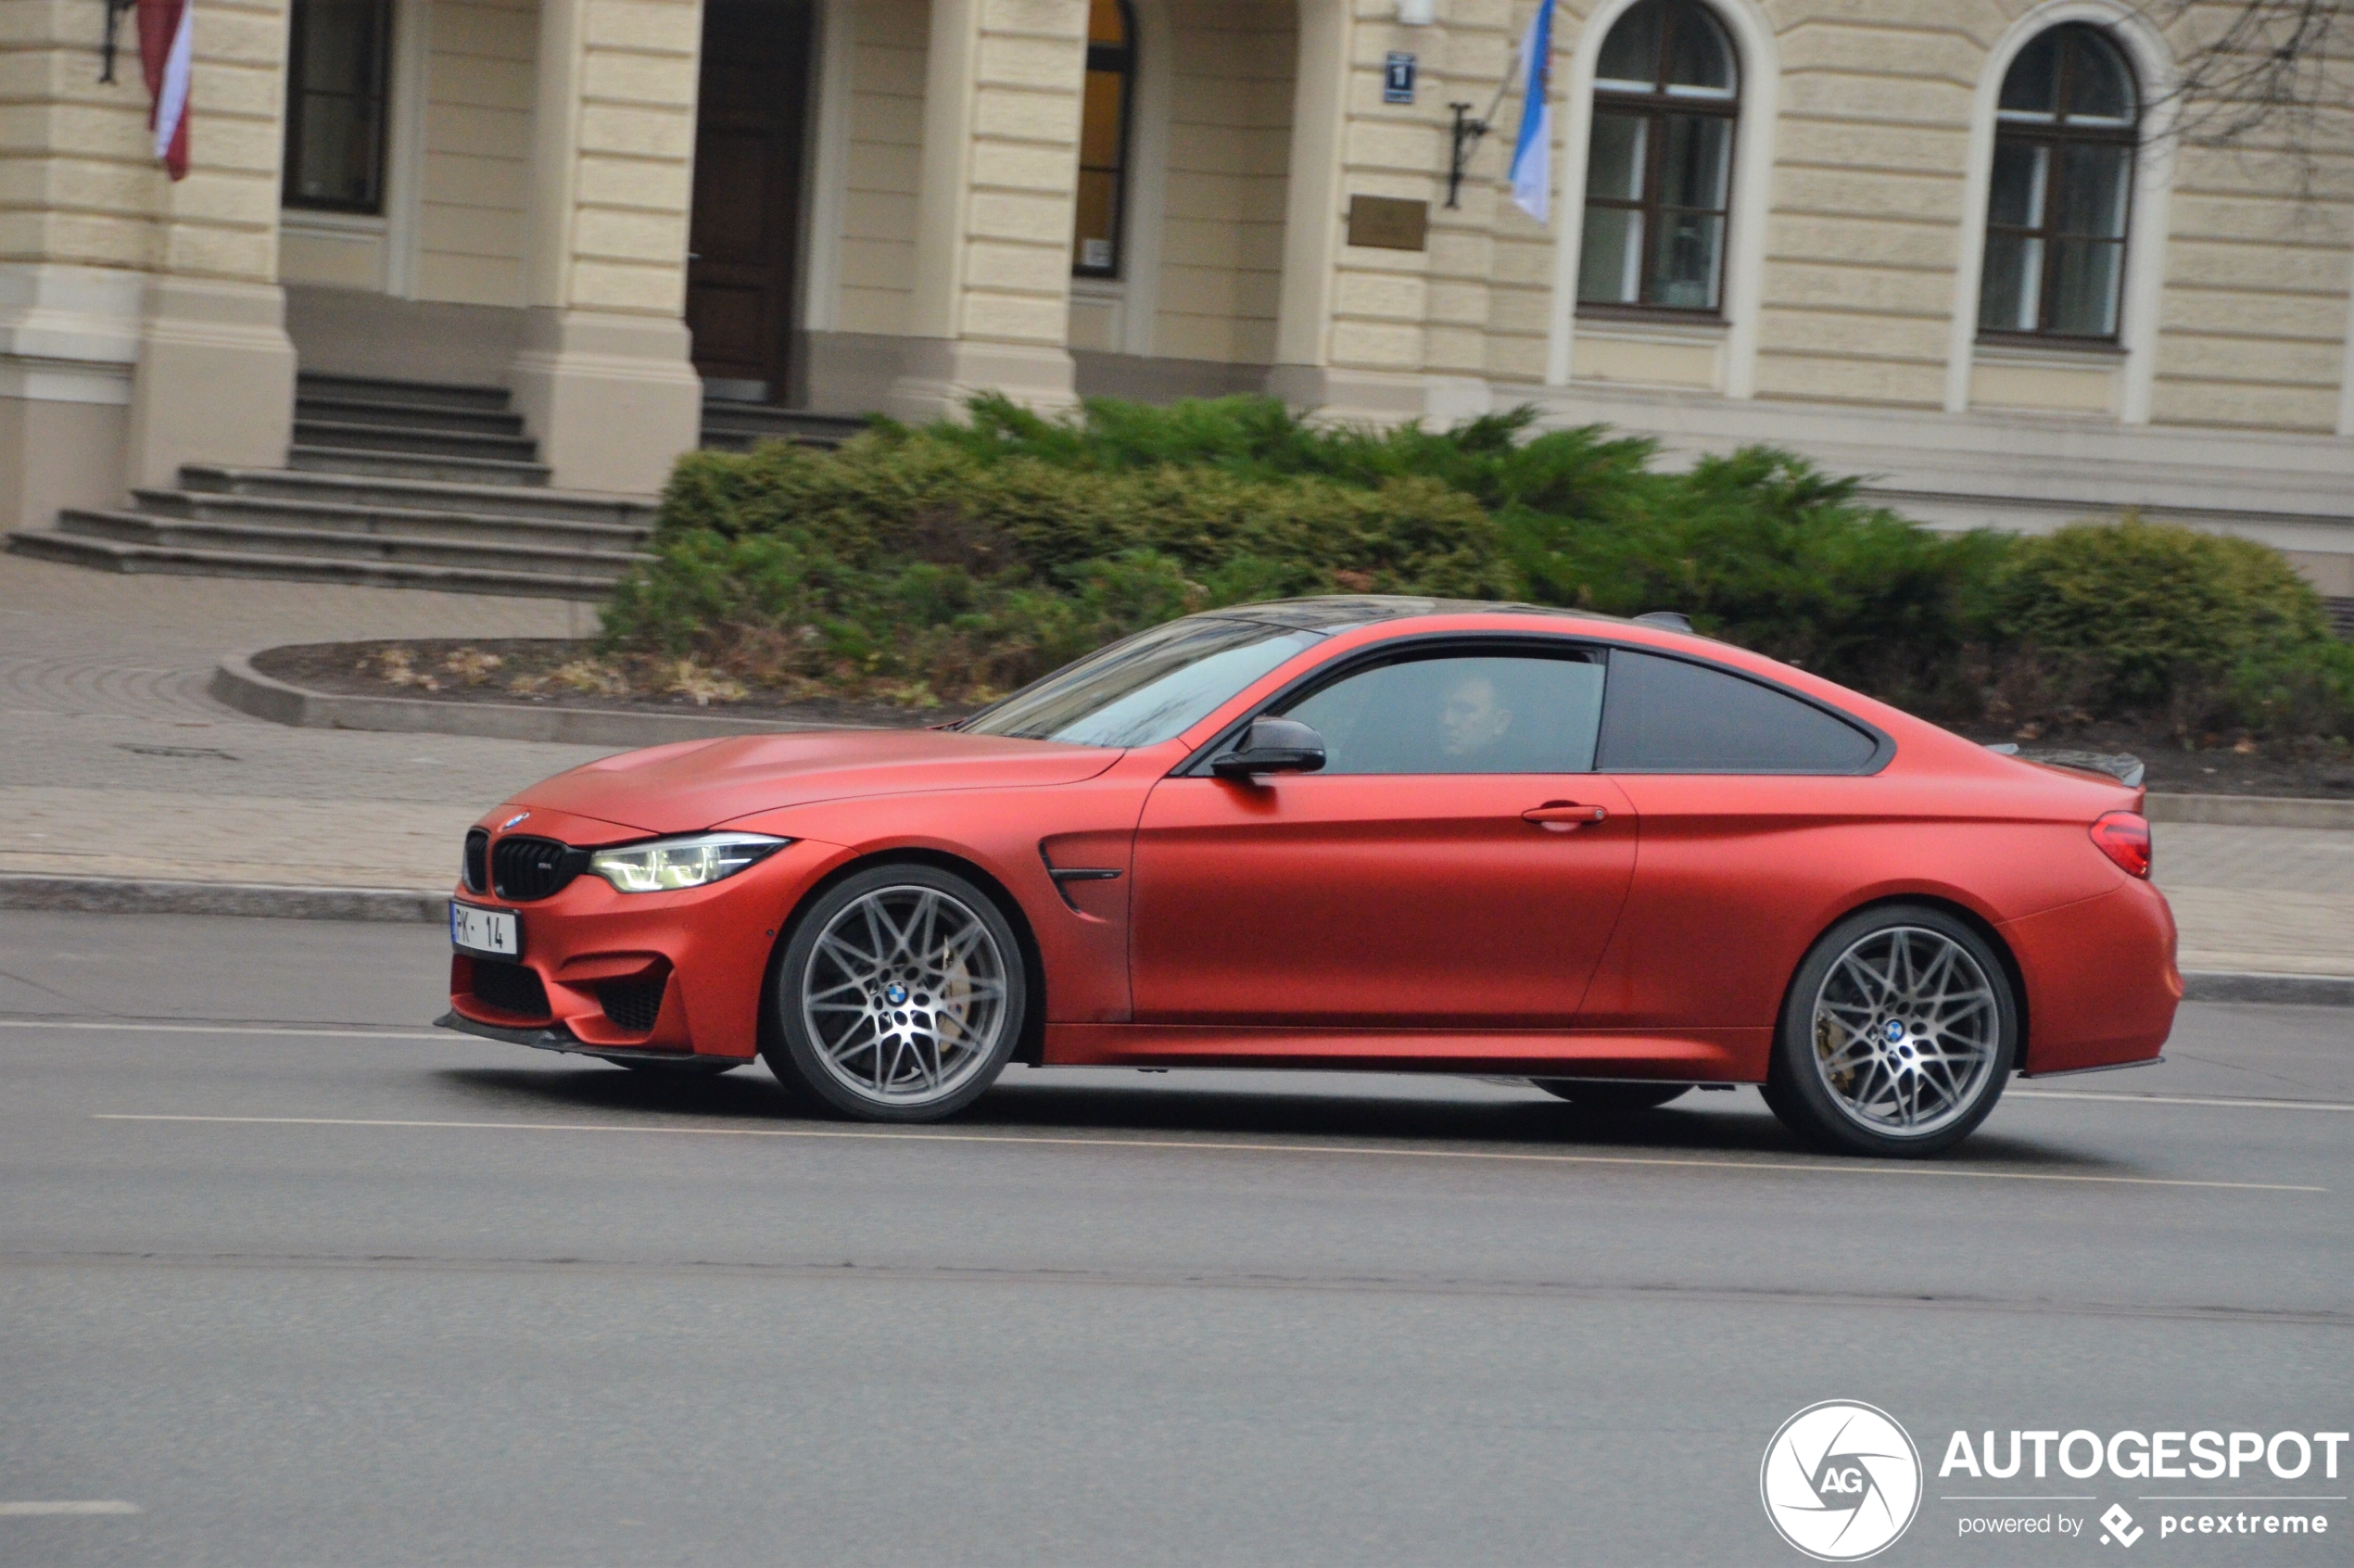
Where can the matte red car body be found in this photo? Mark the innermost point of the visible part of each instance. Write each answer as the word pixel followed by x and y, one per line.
pixel 1367 920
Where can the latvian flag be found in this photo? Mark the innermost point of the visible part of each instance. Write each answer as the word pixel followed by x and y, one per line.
pixel 167 46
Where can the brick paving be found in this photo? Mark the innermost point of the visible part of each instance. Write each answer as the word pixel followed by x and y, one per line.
pixel 114 761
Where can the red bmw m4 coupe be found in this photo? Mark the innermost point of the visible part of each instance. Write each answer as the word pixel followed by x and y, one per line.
pixel 1612 857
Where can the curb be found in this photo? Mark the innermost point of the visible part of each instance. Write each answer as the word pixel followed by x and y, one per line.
pixel 124 895
pixel 241 687
pixel 2302 990
pixel 2249 811
pixel 109 895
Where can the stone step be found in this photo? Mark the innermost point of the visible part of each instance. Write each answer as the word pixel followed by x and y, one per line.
pixel 415 494
pixel 108 555
pixel 374 389
pixel 251 539
pixel 364 464
pixel 499 527
pixel 738 428
pixel 409 416
pixel 412 442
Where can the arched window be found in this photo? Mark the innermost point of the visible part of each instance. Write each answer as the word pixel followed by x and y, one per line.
pixel 2065 130
pixel 1659 168
pixel 1103 139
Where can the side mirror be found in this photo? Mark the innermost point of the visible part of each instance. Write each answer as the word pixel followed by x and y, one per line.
pixel 1272 745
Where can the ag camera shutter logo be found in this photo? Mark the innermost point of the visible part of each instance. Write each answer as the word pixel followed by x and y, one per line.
pixel 1841 1480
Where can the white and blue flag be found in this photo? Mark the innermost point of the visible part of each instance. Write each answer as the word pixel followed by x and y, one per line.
pixel 1533 153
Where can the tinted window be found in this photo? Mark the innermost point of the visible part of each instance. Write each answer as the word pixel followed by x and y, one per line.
pixel 1146 689
pixel 1466 714
pixel 1666 716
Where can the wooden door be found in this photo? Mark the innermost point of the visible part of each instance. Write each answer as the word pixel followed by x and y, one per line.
pixel 745 228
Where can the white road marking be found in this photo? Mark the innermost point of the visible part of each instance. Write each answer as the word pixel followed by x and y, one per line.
pixel 324 1030
pixel 2224 1101
pixel 34 1510
pixel 1199 1145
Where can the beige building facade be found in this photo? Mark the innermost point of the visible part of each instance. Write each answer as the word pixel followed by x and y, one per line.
pixel 1954 245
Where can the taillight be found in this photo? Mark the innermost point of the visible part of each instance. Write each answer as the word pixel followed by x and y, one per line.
pixel 2125 838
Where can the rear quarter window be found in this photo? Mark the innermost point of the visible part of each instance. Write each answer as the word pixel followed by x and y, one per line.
pixel 1671 716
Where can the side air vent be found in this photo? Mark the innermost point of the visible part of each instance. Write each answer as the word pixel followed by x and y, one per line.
pixel 477 861
pixel 632 1004
pixel 524 868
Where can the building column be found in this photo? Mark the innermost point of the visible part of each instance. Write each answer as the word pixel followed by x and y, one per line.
pixel 603 378
pixel 1352 335
pixel 1000 175
pixel 141 322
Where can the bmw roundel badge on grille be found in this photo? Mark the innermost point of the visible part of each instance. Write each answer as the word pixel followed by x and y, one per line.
pixel 512 820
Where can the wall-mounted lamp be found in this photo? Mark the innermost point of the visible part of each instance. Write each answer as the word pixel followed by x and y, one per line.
pixel 1417 13
pixel 115 8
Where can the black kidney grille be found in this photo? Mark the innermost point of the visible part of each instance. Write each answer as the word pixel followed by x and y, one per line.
pixel 477 861
pixel 510 987
pixel 632 1004
pixel 527 868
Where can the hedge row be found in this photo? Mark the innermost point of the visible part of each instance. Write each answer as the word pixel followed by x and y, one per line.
pixel 956 561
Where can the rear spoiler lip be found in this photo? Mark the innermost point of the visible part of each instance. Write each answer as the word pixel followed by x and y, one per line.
pixel 2123 767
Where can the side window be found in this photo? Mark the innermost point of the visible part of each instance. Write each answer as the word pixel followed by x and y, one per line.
pixel 1666 716
pixel 1460 713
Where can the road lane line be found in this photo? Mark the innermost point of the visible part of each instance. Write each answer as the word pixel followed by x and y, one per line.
pixel 1190 1143
pixel 2225 1101
pixel 327 1030
pixel 40 1510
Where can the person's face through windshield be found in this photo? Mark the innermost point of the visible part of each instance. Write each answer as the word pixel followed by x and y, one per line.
pixel 1472 718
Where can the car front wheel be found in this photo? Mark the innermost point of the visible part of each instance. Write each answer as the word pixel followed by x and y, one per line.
pixel 899 996
pixel 1898 1033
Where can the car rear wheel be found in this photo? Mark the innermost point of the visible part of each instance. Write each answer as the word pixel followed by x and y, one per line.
pixel 1897 1036
pixel 1610 1096
pixel 899 996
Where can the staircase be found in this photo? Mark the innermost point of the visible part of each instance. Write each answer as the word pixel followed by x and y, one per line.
pixel 389 484
pixel 398 484
pixel 738 428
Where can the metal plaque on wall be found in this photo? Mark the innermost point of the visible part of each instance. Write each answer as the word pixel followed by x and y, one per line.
pixel 1387 223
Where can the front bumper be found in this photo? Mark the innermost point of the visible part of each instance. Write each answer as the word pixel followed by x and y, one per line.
pixel 599 958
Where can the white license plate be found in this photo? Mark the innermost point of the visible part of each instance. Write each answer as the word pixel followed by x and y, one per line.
pixel 495 931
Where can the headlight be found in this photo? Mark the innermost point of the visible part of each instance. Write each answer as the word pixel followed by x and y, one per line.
pixel 690 862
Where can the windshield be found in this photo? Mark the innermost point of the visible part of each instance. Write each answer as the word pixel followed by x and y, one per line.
pixel 1148 688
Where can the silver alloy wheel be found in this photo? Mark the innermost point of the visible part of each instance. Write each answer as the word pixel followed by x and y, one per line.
pixel 1908 1032
pixel 905 995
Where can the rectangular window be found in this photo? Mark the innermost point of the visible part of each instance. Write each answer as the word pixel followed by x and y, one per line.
pixel 1103 140
pixel 337 77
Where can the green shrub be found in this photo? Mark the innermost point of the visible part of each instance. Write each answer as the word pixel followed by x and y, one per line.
pixel 909 564
pixel 2149 610
pixel 960 558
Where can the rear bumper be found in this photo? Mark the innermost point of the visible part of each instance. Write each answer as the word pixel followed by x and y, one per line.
pixel 2101 982
pixel 706 949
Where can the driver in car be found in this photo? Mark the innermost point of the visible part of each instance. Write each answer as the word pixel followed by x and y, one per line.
pixel 1472 719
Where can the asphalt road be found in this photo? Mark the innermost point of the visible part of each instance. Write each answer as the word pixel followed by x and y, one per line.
pixel 301 1282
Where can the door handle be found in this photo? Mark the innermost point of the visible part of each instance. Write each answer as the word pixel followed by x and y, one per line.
pixel 1563 816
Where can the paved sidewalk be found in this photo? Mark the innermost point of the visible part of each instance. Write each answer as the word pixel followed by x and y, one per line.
pixel 115 763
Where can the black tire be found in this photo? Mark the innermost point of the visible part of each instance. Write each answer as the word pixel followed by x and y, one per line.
pixel 946 1003
pixel 1611 1097
pixel 1840 1073
pixel 692 1067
